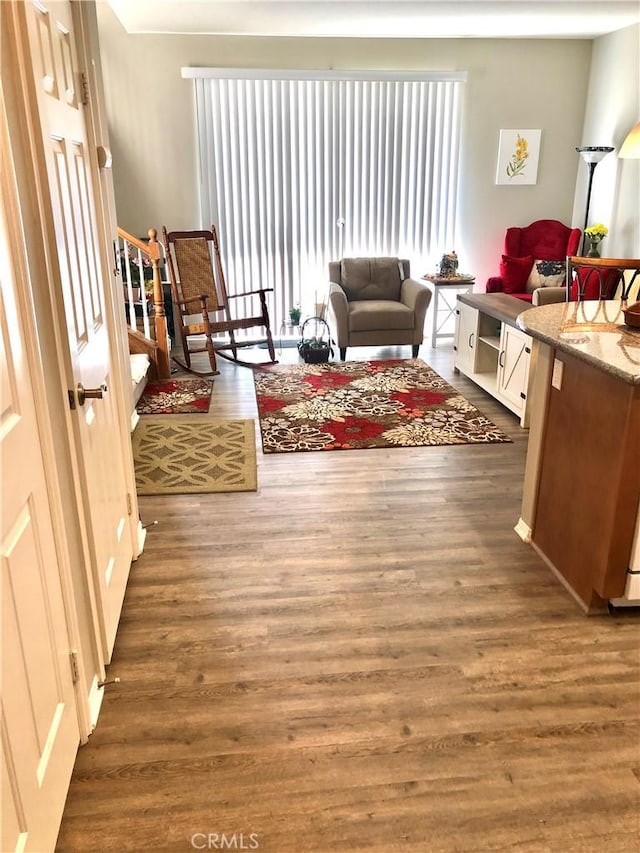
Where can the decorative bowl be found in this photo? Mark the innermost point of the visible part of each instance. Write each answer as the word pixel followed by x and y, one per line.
pixel 632 315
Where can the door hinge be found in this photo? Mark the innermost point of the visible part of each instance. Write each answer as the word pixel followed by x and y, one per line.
pixel 75 670
pixel 84 88
pixel 129 504
pixel 527 349
pixel 523 395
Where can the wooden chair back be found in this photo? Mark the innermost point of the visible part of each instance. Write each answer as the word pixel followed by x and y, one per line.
pixel 191 268
pixel 600 278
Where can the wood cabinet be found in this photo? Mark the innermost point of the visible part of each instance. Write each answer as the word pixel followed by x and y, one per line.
pixel 581 492
pixel 491 351
pixel 589 480
pixel 514 359
pixel 465 337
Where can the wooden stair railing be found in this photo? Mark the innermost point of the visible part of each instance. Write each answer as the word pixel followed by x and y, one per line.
pixel 159 351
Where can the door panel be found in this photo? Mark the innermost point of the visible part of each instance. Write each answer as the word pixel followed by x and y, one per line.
pixel 513 368
pixel 72 178
pixel 38 716
pixel 466 336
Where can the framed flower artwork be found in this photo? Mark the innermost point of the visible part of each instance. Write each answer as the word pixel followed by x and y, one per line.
pixel 518 154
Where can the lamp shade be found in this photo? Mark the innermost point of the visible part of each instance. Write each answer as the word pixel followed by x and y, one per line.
pixel 594 153
pixel 630 148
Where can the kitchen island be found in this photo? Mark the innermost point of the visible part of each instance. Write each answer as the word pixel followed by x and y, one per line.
pixel 580 507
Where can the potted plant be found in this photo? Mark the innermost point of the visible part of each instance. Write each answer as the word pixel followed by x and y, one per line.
pixel 314 348
pixel 594 234
pixel 294 315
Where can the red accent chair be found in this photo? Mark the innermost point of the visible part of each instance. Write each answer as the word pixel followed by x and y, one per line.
pixel 544 240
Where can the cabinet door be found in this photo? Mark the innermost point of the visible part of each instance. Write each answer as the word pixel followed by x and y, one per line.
pixel 466 337
pixel 513 367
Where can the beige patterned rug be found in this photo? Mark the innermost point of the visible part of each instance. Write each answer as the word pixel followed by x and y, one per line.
pixel 191 454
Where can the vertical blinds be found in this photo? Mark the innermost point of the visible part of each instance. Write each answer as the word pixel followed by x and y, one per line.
pixel 298 172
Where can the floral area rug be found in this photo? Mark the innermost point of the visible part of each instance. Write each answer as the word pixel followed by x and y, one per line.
pixel 175 397
pixel 355 405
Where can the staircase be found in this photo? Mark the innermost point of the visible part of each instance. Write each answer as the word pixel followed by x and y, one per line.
pixel 149 342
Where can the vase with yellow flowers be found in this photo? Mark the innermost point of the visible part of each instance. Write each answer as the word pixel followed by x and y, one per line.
pixel 594 236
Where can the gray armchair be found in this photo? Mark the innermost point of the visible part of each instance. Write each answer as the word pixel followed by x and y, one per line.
pixel 374 302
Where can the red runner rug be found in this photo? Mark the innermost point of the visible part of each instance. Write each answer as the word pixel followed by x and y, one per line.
pixel 355 405
pixel 175 397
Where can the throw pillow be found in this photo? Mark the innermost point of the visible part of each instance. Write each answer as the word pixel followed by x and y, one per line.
pixel 515 272
pixel 545 274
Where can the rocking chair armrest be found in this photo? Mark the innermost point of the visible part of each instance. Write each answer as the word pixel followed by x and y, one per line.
pixel 249 293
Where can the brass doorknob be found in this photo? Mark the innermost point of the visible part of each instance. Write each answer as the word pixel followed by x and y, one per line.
pixel 90 393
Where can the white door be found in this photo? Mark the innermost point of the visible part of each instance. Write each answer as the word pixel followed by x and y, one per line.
pixel 513 368
pixel 39 721
pixel 72 175
pixel 466 338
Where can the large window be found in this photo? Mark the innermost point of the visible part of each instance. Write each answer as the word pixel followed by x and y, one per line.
pixel 299 169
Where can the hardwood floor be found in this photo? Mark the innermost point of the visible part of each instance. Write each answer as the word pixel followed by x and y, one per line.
pixel 360 656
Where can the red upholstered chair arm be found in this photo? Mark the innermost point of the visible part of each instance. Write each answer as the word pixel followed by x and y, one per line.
pixel 494 284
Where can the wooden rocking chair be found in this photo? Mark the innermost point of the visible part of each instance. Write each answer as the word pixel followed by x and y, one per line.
pixel 198 289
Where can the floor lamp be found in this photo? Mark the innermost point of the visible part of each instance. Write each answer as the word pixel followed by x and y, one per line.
pixel 591 154
pixel 630 149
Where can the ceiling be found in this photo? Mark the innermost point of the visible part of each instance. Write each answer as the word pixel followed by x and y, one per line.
pixel 379 18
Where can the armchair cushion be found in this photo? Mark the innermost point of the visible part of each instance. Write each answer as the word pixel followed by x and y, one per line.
pixel 514 273
pixel 370 278
pixel 380 314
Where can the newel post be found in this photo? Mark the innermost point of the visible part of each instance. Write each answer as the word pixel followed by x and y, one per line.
pixel 160 318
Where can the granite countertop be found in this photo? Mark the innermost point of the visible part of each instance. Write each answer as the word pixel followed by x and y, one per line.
pixel 592 331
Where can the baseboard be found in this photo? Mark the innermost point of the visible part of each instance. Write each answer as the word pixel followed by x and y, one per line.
pixel 631 597
pixel 96 695
pixel 142 535
pixel 523 530
pixel 565 583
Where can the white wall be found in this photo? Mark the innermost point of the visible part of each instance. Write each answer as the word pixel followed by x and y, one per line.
pixel 511 83
pixel 612 109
